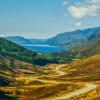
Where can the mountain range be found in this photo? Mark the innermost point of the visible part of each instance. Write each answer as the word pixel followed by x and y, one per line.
pixel 67 40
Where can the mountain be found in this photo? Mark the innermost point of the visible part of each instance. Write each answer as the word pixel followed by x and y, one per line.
pixel 18 39
pixel 90 49
pixel 66 40
pixel 23 41
pixel 37 41
pixel 75 38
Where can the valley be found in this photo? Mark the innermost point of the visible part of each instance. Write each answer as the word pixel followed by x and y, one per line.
pixel 72 74
pixel 49 49
pixel 55 82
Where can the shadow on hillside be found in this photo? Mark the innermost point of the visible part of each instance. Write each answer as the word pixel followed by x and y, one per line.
pixel 4 97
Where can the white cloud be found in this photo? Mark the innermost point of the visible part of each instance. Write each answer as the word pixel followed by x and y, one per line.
pixel 77 12
pixel 79 24
pixel 89 8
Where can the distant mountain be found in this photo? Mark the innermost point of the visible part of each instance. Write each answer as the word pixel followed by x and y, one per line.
pixel 67 40
pixel 37 41
pixel 74 39
pixel 23 41
pixel 18 39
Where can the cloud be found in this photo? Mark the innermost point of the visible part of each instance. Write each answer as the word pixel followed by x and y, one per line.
pixel 79 24
pixel 85 9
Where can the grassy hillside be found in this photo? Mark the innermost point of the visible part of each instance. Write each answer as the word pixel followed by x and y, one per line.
pixel 46 83
pixel 9 70
pixel 9 67
pixel 89 49
pixel 15 51
pixel 24 81
pixel 86 69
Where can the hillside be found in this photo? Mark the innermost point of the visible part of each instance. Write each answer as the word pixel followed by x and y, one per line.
pixel 75 39
pixel 89 49
pixel 15 51
pixel 55 81
pixel 11 68
pixel 86 69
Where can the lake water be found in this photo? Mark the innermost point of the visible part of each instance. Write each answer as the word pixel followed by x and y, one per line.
pixel 43 48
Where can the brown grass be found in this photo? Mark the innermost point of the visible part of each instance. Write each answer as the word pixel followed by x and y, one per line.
pixel 48 91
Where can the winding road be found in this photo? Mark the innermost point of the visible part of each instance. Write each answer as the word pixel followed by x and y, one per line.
pixel 57 70
pixel 88 87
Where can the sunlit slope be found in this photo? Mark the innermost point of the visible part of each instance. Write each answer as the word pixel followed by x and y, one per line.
pixel 14 74
pixel 10 68
pixel 86 69
pixel 30 83
pixel 79 71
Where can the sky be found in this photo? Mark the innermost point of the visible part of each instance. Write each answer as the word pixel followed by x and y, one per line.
pixel 47 18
